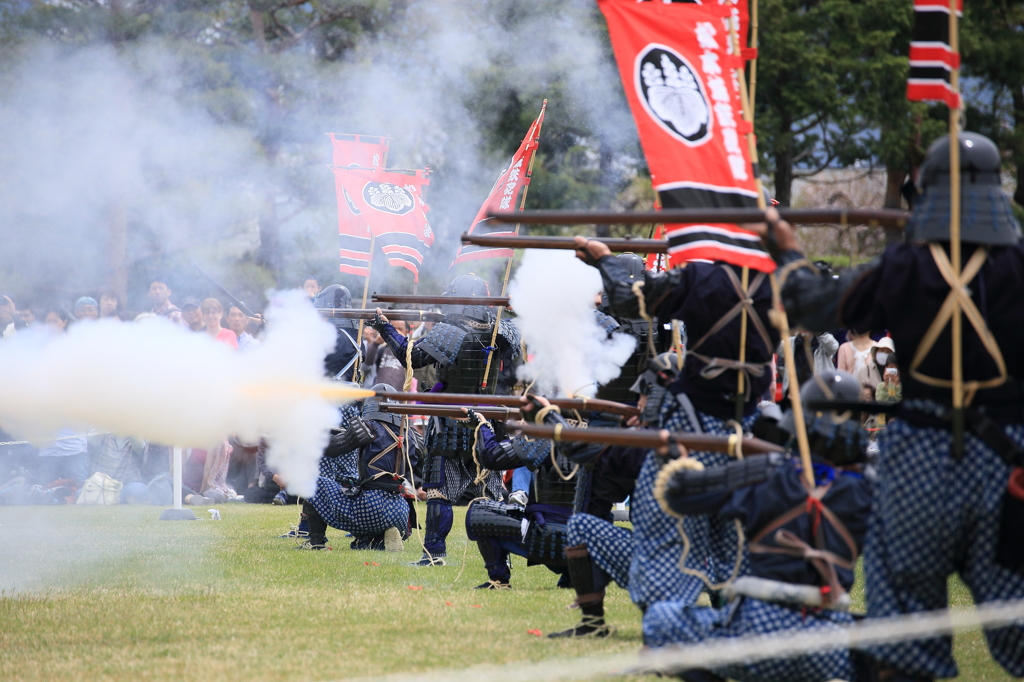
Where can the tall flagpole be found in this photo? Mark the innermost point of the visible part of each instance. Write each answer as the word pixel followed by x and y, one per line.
pixel 508 266
pixel 748 116
pixel 954 236
pixel 366 288
pixel 803 445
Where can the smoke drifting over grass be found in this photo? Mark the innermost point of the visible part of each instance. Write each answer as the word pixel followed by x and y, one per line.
pixel 161 382
pixel 194 141
pixel 553 296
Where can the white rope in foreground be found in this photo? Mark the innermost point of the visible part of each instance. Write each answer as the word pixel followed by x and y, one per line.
pixel 722 652
pixel 48 440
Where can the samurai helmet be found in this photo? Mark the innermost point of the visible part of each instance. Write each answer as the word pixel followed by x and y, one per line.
pixel 467 285
pixel 836 437
pixel 371 406
pixel 336 296
pixel 985 214
pixel 633 263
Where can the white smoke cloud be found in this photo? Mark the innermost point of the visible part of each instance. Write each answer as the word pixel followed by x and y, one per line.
pixel 553 297
pixel 161 382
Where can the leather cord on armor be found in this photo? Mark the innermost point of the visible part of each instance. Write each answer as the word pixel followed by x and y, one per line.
pixel 959 295
pixel 713 367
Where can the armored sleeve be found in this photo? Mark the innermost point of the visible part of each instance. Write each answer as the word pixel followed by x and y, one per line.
pixel 398 343
pixel 622 301
pixel 346 440
pixel 812 300
pixel 690 492
pixel 494 454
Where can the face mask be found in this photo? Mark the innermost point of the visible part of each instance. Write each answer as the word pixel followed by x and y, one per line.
pixel 881 358
pixel 890 371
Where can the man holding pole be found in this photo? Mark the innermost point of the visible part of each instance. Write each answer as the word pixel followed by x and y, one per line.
pixel 945 501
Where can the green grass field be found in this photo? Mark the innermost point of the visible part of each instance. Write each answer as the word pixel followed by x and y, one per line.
pixel 111 593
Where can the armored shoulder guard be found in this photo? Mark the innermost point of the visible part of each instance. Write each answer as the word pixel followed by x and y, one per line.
pixel 354 437
pixel 605 322
pixel 443 342
pixel 734 475
pixel 508 331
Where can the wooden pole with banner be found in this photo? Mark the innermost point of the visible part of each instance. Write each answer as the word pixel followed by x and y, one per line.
pixel 780 321
pixel 366 290
pixel 508 267
pixel 748 116
pixel 954 237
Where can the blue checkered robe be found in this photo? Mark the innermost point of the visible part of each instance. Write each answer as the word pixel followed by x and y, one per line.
pixel 343 467
pixel 610 546
pixel 371 512
pixel 934 516
pixel 654 573
pixel 681 623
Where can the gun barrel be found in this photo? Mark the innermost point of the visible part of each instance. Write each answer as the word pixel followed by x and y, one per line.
pixel 441 300
pixel 798 216
pixel 368 313
pixel 459 399
pixel 647 438
pixel 452 412
pixel 540 242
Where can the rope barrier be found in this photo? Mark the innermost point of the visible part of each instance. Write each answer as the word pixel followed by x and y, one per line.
pixel 716 653
pixel 48 440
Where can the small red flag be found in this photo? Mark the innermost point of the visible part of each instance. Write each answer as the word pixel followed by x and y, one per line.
pixel 506 195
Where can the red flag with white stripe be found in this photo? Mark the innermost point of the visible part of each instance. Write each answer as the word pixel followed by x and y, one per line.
pixel 506 194
pixel 389 206
pixel 358 151
pixel 679 70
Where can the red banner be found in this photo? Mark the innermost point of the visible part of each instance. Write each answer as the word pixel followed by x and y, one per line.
pixel 358 151
pixel 679 69
pixel 389 206
pixel 507 193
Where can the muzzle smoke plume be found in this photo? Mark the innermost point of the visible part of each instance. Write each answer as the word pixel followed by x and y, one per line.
pixel 553 296
pixel 161 382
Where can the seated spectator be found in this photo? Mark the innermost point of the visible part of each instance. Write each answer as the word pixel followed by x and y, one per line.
pixel 27 315
pixel 9 320
pixel 63 464
pixel 192 315
pixel 238 322
pixel 213 313
pixel 160 295
pixel 121 459
pixel 56 320
pixel 312 286
pixel 204 476
pixel 86 308
pixel 109 302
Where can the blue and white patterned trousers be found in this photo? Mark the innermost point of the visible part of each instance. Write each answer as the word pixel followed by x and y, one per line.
pixel 668 623
pixel 609 546
pixel 371 512
pixel 654 574
pixel 934 516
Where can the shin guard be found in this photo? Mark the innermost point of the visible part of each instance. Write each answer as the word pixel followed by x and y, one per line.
pixel 439 524
pixel 317 525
